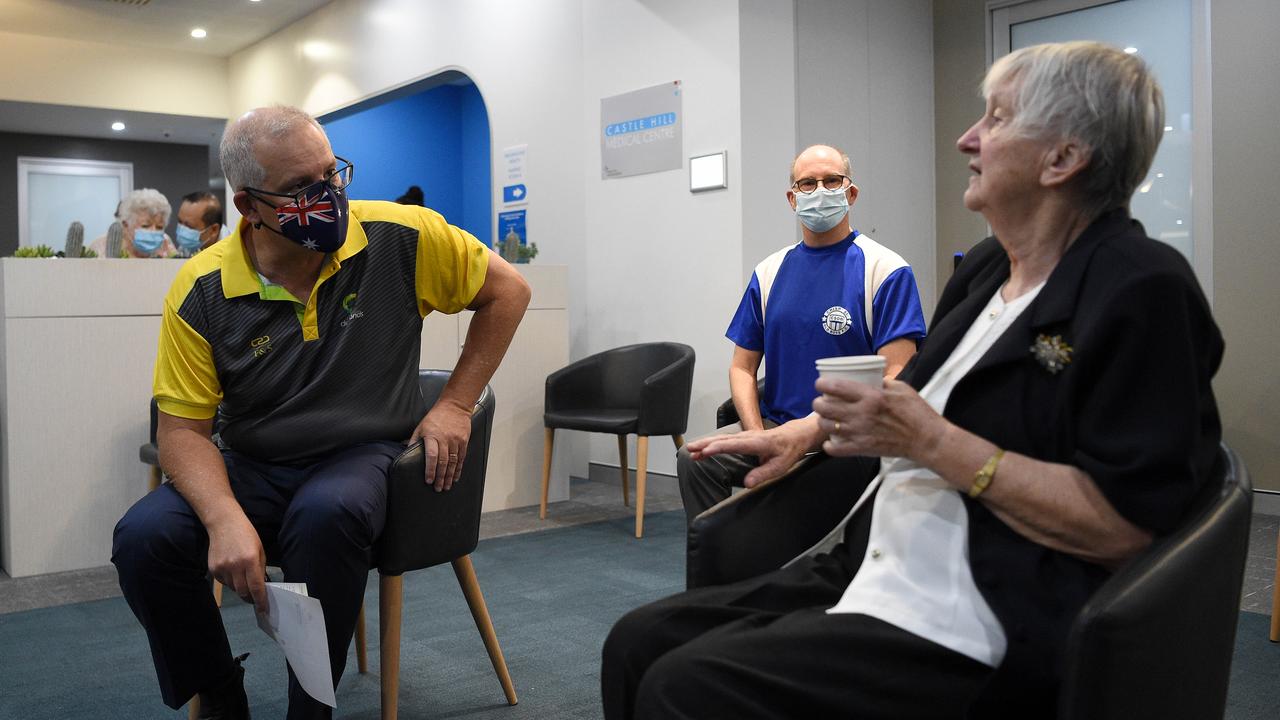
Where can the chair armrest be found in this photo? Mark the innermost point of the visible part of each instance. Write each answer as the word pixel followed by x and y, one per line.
pixel 582 379
pixel 664 399
pixel 759 530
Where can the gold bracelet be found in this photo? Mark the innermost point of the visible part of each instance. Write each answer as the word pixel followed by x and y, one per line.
pixel 982 478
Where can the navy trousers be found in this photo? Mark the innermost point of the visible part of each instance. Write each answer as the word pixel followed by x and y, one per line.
pixel 317 523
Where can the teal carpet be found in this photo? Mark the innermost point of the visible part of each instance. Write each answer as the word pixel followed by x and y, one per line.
pixel 553 596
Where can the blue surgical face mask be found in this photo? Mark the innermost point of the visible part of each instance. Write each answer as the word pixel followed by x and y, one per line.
pixel 822 209
pixel 147 241
pixel 188 238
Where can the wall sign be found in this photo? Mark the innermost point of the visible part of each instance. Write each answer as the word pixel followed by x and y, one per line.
pixel 641 131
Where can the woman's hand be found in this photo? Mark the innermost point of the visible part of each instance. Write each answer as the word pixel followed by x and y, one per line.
pixel 778 448
pixel 863 420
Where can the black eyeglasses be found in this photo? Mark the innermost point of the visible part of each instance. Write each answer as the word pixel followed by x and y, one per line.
pixel 830 182
pixel 339 179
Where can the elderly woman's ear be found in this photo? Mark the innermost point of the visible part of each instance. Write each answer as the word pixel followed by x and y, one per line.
pixel 1063 162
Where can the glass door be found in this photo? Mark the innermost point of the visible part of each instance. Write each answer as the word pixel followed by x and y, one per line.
pixel 1172 201
pixel 54 192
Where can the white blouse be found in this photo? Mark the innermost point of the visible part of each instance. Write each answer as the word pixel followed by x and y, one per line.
pixel 915 574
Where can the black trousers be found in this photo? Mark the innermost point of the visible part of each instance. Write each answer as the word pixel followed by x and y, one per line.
pixel 766 648
pixel 318 523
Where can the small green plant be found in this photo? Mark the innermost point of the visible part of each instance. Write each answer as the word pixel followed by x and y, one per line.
pixel 525 253
pixel 39 251
pixel 87 253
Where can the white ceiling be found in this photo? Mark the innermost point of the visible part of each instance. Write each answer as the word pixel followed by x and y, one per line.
pixel 231 24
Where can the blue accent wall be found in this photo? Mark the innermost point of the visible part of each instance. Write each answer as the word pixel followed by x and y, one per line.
pixel 437 139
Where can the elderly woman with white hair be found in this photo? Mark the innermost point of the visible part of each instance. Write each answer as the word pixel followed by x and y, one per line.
pixel 1058 417
pixel 143 216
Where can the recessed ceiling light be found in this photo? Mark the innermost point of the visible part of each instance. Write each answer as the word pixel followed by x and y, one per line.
pixel 1131 49
pixel 198 33
pixel 117 126
pixel 1168 128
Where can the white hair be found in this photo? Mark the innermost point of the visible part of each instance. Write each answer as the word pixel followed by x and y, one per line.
pixel 243 134
pixel 147 202
pixel 1094 94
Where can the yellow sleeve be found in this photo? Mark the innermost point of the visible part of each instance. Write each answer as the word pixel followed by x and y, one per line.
pixel 451 266
pixel 186 382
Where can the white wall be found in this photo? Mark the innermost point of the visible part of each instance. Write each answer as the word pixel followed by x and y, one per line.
pixel 662 263
pixel 865 84
pixel 89 74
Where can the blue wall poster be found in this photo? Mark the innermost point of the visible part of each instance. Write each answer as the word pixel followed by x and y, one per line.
pixel 511 234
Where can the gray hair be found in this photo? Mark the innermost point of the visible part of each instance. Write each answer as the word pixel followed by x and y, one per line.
pixel 844 157
pixel 244 133
pixel 148 202
pixel 1092 93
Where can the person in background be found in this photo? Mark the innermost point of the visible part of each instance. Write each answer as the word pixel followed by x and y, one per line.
pixel 412 196
pixel 143 216
pixel 199 222
pixel 835 293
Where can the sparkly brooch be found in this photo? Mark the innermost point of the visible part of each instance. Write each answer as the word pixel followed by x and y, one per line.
pixel 1051 352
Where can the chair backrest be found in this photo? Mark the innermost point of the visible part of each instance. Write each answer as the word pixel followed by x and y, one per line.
pixel 654 379
pixel 424 527
pixel 1156 640
pixel 727 413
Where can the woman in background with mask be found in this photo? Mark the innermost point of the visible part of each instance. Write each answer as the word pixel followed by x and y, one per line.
pixel 143 215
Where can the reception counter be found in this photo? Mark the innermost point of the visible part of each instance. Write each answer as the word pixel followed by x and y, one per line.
pixel 77 350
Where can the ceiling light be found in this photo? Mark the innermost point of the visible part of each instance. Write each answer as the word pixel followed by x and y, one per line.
pixel 1168 128
pixel 117 126
pixel 1159 175
pixel 198 33
pixel 1131 49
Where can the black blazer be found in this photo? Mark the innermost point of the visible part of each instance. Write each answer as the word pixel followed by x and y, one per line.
pixel 1133 408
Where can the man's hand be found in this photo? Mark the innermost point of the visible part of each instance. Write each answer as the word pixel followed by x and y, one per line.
pixel 236 559
pixel 444 433
pixel 778 448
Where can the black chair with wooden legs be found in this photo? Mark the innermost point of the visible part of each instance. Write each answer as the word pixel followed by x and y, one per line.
pixel 636 389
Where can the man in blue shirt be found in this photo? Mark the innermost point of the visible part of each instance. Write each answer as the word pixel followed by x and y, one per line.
pixel 838 292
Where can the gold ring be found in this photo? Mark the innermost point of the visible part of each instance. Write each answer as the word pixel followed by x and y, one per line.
pixel 837 426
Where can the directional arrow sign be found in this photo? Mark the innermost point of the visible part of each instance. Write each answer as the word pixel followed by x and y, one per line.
pixel 512 194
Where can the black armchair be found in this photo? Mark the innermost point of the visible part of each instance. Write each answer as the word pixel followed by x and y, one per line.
pixel 426 528
pixel 727 413
pixel 641 389
pixel 1171 611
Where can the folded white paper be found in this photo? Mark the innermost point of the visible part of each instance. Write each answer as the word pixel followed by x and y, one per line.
pixel 296 622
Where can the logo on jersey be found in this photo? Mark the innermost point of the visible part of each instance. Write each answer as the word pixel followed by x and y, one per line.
pixel 349 306
pixel 260 345
pixel 836 320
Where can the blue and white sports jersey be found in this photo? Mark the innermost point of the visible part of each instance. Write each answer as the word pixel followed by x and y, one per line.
pixel 807 303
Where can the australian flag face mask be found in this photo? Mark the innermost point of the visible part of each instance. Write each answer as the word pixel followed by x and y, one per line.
pixel 316 217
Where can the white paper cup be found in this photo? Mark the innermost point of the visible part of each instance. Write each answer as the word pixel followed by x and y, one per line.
pixel 868 369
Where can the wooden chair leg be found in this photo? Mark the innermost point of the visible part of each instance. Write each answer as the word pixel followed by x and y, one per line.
pixel 193 707
pixel 390 596
pixel 362 651
pixel 642 460
pixel 679 441
pixel 217 593
pixel 475 600
pixel 156 477
pixel 546 468
pixel 1275 597
pixel 622 463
